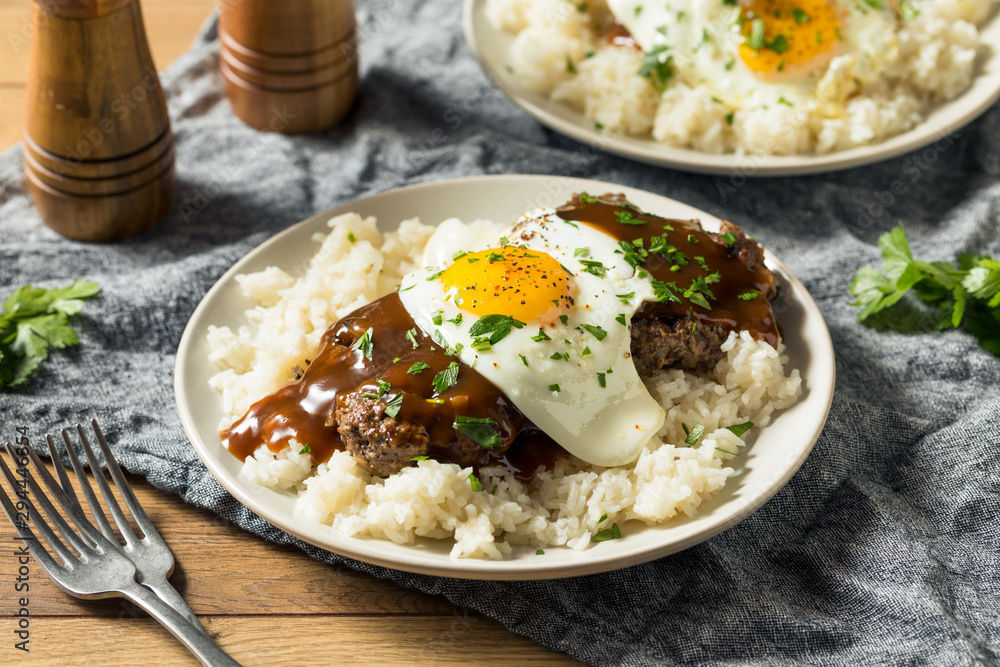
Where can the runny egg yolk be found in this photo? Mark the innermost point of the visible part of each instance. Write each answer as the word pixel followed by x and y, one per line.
pixel 788 36
pixel 526 284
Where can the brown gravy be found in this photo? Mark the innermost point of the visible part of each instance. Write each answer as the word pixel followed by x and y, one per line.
pixel 683 268
pixel 304 410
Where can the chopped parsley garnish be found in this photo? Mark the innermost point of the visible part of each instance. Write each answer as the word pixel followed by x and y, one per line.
pixel 782 100
pixel 540 337
pixel 494 257
pixel 602 379
pixel 586 199
pixel 493 491
pixel 438 318
pixel 756 41
pixel 477 486
pixel 420 458
pixel 558 356
pixel 604 517
pixel 435 276
pixel 729 238
pixel 305 449
pixel 594 267
pixel 394 404
pixel 364 343
pixel 658 67
pixel 383 387
pixel 481 430
pixel 597 331
pixel 411 336
pixel 729 117
pixel 586 352
pixel 351 237
pixel 498 326
pixel 524 360
pixel 612 533
pixel 749 296
pixel 693 434
pixel 726 451
pixel 908 11
pixel 456 320
pixel 504 242
pixel 454 350
pixel 800 16
pixel 555 388
pixel 624 298
pixel 625 217
pixel 740 429
pixel 418 368
pixel 570 67
pixel 459 255
pixel 665 291
pixel 446 379
pixel 581 252
pixel 968 294
pixel 539 552
pixel 621 320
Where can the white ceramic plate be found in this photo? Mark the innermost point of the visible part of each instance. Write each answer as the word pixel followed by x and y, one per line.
pixel 777 453
pixel 490 46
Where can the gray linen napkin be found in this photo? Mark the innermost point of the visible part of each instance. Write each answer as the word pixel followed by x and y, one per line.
pixel 882 548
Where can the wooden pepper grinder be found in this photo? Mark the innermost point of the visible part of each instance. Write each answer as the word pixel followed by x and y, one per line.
pixel 289 66
pixel 98 151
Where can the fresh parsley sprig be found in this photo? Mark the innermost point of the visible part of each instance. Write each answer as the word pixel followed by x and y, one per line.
pixel 968 293
pixel 33 321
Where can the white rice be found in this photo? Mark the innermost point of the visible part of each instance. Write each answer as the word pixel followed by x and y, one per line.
pixel 934 63
pixel 560 507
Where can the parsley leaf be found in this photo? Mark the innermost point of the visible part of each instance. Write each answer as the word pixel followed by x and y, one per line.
pixel 364 343
pixel 394 404
pixel 612 533
pixel 475 483
pixel 658 67
pixel 411 336
pixel 418 368
pixel 498 326
pixel 693 434
pixel 35 320
pixel 968 293
pixel 597 331
pixel 481 430
pixel 740 429
pixel 446 379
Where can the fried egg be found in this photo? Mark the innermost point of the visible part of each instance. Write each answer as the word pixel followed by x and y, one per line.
pixel 544 313
pixel 757 53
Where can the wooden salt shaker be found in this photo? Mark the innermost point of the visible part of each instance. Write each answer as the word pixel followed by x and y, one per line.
pixel 98 151
pixel 289 66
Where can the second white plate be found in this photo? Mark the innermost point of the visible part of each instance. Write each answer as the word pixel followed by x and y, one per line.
pixel 491 46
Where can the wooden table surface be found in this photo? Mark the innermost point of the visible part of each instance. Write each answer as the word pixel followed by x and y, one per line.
pixel 265 604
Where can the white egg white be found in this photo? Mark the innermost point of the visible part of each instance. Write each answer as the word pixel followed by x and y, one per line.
pixel 603 425
pixel 703 39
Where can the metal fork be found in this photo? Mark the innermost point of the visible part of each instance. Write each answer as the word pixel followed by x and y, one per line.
pixel 154 561
pixel 99 568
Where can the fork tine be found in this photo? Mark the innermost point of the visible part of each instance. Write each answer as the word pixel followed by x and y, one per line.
pixel 116 511
pixel 70 506
pixel 24 532
pixel 36 517
pixel 123 486
pixel 61 471
pixel 88 491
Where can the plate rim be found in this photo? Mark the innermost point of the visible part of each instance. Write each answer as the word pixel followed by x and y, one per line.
pixel 751 165
pixel 505 570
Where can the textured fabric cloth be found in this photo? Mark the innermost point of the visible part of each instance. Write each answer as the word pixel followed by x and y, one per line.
pixel 883 548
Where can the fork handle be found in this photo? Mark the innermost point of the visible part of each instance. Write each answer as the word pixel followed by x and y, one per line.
pixel 198 642
pixel 173 599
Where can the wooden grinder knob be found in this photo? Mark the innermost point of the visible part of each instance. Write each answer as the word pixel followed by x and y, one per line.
pixel 289 66
pixel 98 151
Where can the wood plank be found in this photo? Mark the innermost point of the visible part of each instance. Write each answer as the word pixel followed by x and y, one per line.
pixel 223 570
pixel 282 640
